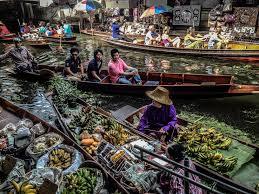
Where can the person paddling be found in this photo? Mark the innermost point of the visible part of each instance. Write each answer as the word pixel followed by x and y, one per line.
pixel 21 57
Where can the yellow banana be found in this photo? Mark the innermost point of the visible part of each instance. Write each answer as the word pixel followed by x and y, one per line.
pixel 16 186
pixel 27 187
pixel 31 191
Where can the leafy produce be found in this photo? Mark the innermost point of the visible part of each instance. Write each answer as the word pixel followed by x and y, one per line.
pixel 203 143
pixel 40 146
pixel 83 181
pixel 24 187
pixel 60 158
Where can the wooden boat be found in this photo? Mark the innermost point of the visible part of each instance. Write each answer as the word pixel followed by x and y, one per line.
pixel 42 76
pixel 64 40
pixel 200 167
pixel 179 84
pixel 131 118
pixel 215 53
pixel 38 44
pixel 12 113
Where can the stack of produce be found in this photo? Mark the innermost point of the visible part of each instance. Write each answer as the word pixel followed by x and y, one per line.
pixel 24 187
pixel 90 142
pixel 82 181
pixel 60 158
pixel 204 145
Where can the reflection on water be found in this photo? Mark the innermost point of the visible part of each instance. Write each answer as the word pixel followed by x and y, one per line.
pixel 240 112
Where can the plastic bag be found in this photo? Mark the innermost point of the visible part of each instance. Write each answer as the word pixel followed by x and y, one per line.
pixel 37 176
pixel 17 173
pixel 24 123
pixel 77 159
pixel 38 129
pixel 9 128
pixel 42 141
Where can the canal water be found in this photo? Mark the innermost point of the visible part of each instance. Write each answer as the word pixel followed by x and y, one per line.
pixel 238 116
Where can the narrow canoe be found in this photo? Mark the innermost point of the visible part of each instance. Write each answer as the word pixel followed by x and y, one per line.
pixel 132 131
pixel 215 53
pixel 64 40
pixel 38 44
pixel 138 113
pixel 179 84
pixel 12 113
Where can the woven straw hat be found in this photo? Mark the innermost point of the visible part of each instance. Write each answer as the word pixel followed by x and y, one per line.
pixel 161 95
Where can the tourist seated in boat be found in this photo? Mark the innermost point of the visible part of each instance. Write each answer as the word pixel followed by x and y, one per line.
pixel 67 29
pixel 217 41
pixel 74 69
pixel 192 41
pixel 120 72
pixel 174 184
pixel 59 29
pixel 116 33
pixel 25 29
pixel 50 31
pixel 4 32
pixel 21 57
pixel 42 28
pixel 159 118
pixel 94 66
pixel 152 38
pixel 167 41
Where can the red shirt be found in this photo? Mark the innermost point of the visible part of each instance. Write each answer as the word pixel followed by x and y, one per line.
pixel 4 31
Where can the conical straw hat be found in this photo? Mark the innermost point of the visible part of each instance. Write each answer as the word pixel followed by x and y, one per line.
pixel 161 95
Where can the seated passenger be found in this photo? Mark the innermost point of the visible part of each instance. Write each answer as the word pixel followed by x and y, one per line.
pixel 25 29
pixel 120 72
pixel 3 30
pixel 174 184
pixel 167 41
pixel 151 36
pixel 216 40
pixel 159 116
pixel 94 66
pixel 74 69
pixel 192 41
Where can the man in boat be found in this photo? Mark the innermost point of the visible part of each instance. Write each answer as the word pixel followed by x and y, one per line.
pixel 21 57
pixel 116 33
pixel 174 184
pixel 192 41
pixel 151 36
pixel 4 32
pixel 120 72
pixel 94 66
pixel 74 68
pixel 159 118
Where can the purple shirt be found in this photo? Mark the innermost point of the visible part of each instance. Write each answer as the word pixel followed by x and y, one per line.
pixel 157 118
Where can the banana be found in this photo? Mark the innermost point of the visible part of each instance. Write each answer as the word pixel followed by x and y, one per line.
pixel 27 187
pixel 16 186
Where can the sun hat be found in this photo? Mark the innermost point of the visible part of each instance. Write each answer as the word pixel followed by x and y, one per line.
pixel 161 95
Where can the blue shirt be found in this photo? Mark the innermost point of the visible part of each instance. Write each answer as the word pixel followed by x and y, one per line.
pixel 115 30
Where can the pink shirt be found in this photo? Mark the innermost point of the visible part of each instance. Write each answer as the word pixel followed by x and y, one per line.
pixel 116 68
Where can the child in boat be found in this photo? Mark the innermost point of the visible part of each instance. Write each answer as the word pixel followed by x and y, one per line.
pixel 173 184
pixel 159 118
pixel 167 41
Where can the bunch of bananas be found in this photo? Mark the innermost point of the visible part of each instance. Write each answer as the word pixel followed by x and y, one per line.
pixel 59 158
pixel 83 181
pixel 24 187
pixel 227 164
pixel 116 136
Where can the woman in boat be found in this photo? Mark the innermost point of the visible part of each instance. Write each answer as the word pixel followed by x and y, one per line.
pixel 42 28
pixel 74 68
pixel 216 40
pixel 159 118
pixel 192 41
pixel 173 184
pixel 94 66
pixel 67 29
pixel 167 41
pixel 120 72
pixel 3 30
pixel 25 29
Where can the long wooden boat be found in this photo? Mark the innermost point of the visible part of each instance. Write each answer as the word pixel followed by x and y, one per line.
pixel 38 44
pixel 200 168
pixel 12 113
pixel 179 84
pixel 131 118
pixel 64 40
pixel 243 52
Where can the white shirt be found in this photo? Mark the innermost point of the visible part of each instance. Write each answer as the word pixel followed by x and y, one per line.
pixel 148 38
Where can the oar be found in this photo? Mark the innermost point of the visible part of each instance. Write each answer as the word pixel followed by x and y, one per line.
pixel 60 47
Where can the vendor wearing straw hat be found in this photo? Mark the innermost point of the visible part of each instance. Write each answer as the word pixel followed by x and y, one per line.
pixel 160 116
